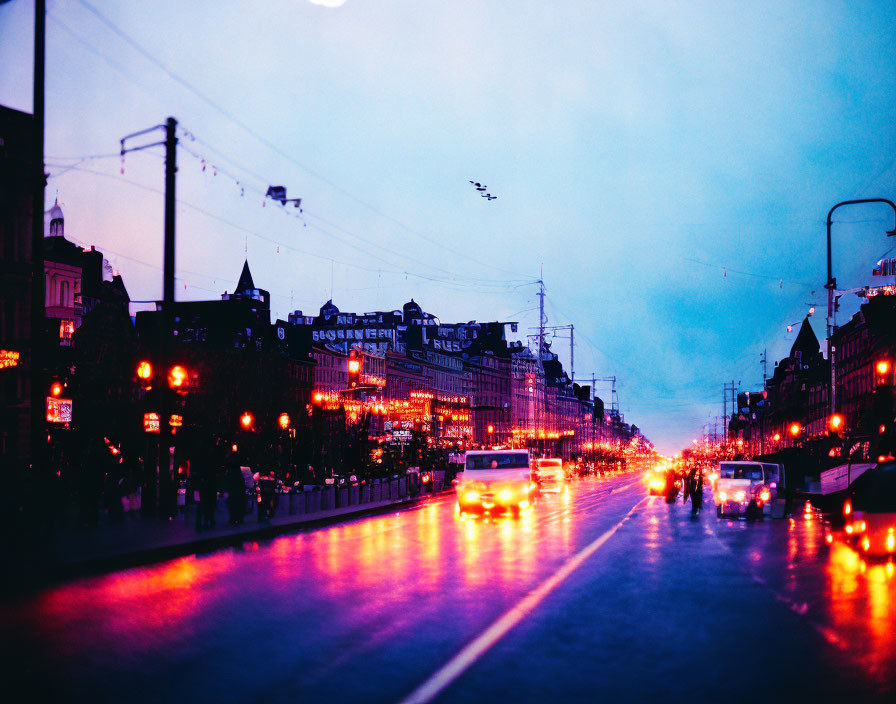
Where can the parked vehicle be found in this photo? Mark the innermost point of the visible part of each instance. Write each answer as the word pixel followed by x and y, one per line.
pixel 869 511
pixel 495 481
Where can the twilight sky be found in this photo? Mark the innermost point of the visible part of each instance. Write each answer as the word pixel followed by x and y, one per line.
pixel 670 164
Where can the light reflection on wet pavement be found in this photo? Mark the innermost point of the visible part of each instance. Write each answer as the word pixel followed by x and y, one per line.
pixel 669 607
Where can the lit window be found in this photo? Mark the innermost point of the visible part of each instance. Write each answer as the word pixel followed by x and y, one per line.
pixel 66 329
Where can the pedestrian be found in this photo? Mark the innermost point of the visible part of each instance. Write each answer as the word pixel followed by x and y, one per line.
pixel 697 492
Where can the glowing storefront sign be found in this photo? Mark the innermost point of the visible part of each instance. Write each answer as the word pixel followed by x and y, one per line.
pixel 9 358
pixel 151 423
pixel 59 410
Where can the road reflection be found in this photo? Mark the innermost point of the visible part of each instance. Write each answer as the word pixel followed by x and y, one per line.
pixel 861 607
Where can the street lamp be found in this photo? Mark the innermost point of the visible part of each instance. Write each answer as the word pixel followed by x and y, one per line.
pixel 831 285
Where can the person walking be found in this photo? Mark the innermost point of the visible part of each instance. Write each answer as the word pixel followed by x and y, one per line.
pixel 696 489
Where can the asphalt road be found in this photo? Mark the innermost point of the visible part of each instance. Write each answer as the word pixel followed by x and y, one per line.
pixel 597 594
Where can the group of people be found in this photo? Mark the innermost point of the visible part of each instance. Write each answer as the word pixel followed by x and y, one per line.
pixel 690 484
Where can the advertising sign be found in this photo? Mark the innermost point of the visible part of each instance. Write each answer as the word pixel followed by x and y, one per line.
pixel 59 410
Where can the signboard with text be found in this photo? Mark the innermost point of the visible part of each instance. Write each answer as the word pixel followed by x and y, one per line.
pixel 59 410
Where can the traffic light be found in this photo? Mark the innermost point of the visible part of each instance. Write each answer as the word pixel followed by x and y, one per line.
pixel 283 421
pixel 490 429
pixel 354 368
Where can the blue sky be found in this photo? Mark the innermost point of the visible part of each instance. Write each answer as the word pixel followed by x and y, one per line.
pixel 669 164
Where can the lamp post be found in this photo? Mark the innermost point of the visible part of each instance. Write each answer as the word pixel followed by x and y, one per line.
pixel 831 285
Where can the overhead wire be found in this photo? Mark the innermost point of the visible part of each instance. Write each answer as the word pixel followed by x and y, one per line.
pixel 268 143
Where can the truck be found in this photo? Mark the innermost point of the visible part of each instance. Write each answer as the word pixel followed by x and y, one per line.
pixel 744 488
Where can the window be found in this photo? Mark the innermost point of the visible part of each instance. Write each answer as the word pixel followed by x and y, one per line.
pixel 66 329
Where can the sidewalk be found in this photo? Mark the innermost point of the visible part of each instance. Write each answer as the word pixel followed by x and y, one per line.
pixel 138 540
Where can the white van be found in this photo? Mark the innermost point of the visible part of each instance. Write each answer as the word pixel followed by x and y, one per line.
pixel 742 489
pixel 495 480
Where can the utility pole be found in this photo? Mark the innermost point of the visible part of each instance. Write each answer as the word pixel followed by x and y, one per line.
pixel 572 354
pixel 170 200
pixel 725 408
pixel 160 368
pixel 38 420
pixel 541 318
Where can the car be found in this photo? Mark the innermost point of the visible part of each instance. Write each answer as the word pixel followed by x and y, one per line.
pixel 495 481
pixel 549 474
pixel 870 511
pixel 656 481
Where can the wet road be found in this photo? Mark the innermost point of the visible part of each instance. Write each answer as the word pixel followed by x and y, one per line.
pixel 599 593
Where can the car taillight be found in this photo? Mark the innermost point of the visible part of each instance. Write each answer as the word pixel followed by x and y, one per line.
pixel 723 496
pixel 764 495
pixel 891 540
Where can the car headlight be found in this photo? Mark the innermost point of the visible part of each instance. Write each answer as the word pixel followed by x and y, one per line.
pixel 723 496
pixel 471 496
pixel 505 495
pixel 740 495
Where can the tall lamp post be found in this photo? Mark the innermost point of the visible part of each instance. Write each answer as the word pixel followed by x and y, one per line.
pixel 831 286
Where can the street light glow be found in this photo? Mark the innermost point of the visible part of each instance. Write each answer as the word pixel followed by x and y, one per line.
pixel 795 429
pixel 144 370
pixel 177 377
pixel 883 366
pixel 55 389
pixel 247 420
pixel 283 420
pixel 836 421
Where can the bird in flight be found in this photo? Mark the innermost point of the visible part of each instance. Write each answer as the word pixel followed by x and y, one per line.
pixel 483 190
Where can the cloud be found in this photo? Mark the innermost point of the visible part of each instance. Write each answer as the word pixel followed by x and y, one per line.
pixel 328 3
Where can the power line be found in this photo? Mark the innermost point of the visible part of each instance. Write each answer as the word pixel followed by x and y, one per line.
pixel 266 142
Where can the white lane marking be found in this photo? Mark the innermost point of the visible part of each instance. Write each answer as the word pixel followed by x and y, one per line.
pixel 457 665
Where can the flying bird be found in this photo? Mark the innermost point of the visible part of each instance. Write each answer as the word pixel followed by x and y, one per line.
pixel 479 187
pixel 489 196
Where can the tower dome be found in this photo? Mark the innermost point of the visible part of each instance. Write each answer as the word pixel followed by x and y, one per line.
pixel 54 221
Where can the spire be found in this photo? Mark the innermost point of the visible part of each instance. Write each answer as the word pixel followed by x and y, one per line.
pixel 806 342
pixel 245 283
